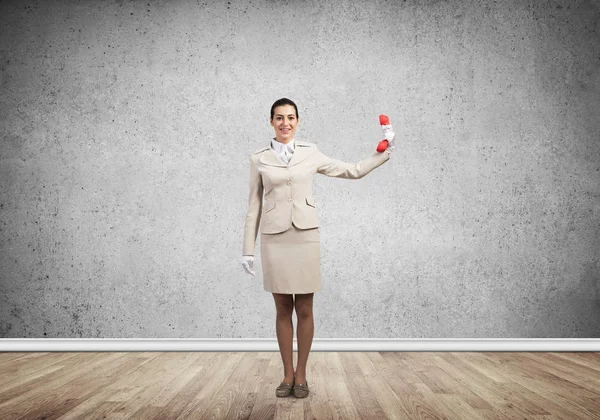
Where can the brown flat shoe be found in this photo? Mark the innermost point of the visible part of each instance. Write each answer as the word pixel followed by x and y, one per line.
pixel 284 389
pixel 301 390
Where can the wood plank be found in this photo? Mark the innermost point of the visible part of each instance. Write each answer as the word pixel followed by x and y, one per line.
pixel 266 402
pixel 318 400
pixel 364 401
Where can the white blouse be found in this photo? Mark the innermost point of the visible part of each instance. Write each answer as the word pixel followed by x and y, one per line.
pixel 283 151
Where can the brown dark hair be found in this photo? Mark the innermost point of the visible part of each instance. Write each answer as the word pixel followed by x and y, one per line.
pixel 283 101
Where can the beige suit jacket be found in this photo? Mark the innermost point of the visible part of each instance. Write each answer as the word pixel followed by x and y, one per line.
pixel 287 188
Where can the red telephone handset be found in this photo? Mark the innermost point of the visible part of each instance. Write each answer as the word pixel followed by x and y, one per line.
pixel 383 144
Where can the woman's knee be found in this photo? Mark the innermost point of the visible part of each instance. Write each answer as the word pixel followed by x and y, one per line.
pixel 304 306
pixel 285 313
pixel 304 314
pixel 284 304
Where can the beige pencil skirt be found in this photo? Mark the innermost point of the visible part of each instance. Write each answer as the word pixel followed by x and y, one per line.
pixel 291 261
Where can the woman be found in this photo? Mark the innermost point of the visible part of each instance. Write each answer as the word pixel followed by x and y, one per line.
pixel 290 253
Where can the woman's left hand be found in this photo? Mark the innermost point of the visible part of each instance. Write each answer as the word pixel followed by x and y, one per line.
pixel 389 135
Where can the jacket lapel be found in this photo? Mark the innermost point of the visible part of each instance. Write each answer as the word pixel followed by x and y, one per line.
pixel 271 159
pixel 301 152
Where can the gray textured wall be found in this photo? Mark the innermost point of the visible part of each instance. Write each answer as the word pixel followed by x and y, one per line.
pixel 126 129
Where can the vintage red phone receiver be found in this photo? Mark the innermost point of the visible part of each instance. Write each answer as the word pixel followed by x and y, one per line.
pixel 383 144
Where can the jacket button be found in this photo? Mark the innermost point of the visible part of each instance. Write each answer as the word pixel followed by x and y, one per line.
pixel 289 200
pixel 289 183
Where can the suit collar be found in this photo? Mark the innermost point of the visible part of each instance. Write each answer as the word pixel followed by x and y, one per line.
pixel 301 151
pixel 278 147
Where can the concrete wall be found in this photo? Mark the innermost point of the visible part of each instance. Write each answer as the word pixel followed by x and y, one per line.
pixel 126 128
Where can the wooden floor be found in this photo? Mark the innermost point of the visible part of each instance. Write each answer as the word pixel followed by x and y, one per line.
pixel 352 385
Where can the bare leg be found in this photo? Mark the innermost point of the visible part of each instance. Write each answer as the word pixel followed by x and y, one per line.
pixel 306 329
pixel 285 333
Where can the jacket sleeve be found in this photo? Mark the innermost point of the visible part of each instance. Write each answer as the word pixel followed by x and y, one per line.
pixel 254 209
pixel 337 168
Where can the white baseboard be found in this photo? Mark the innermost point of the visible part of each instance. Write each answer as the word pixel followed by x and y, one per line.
pixel 319 344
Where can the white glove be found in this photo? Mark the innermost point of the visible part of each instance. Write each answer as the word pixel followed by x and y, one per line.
pixel 248 264
pixel 389 135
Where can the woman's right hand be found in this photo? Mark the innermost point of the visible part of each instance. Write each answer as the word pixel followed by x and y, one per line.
pixel 248 264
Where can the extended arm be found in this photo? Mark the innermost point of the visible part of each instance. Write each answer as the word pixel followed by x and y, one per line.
pixel 337 168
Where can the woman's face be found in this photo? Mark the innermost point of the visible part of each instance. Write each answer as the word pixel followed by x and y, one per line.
pixel 284 123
